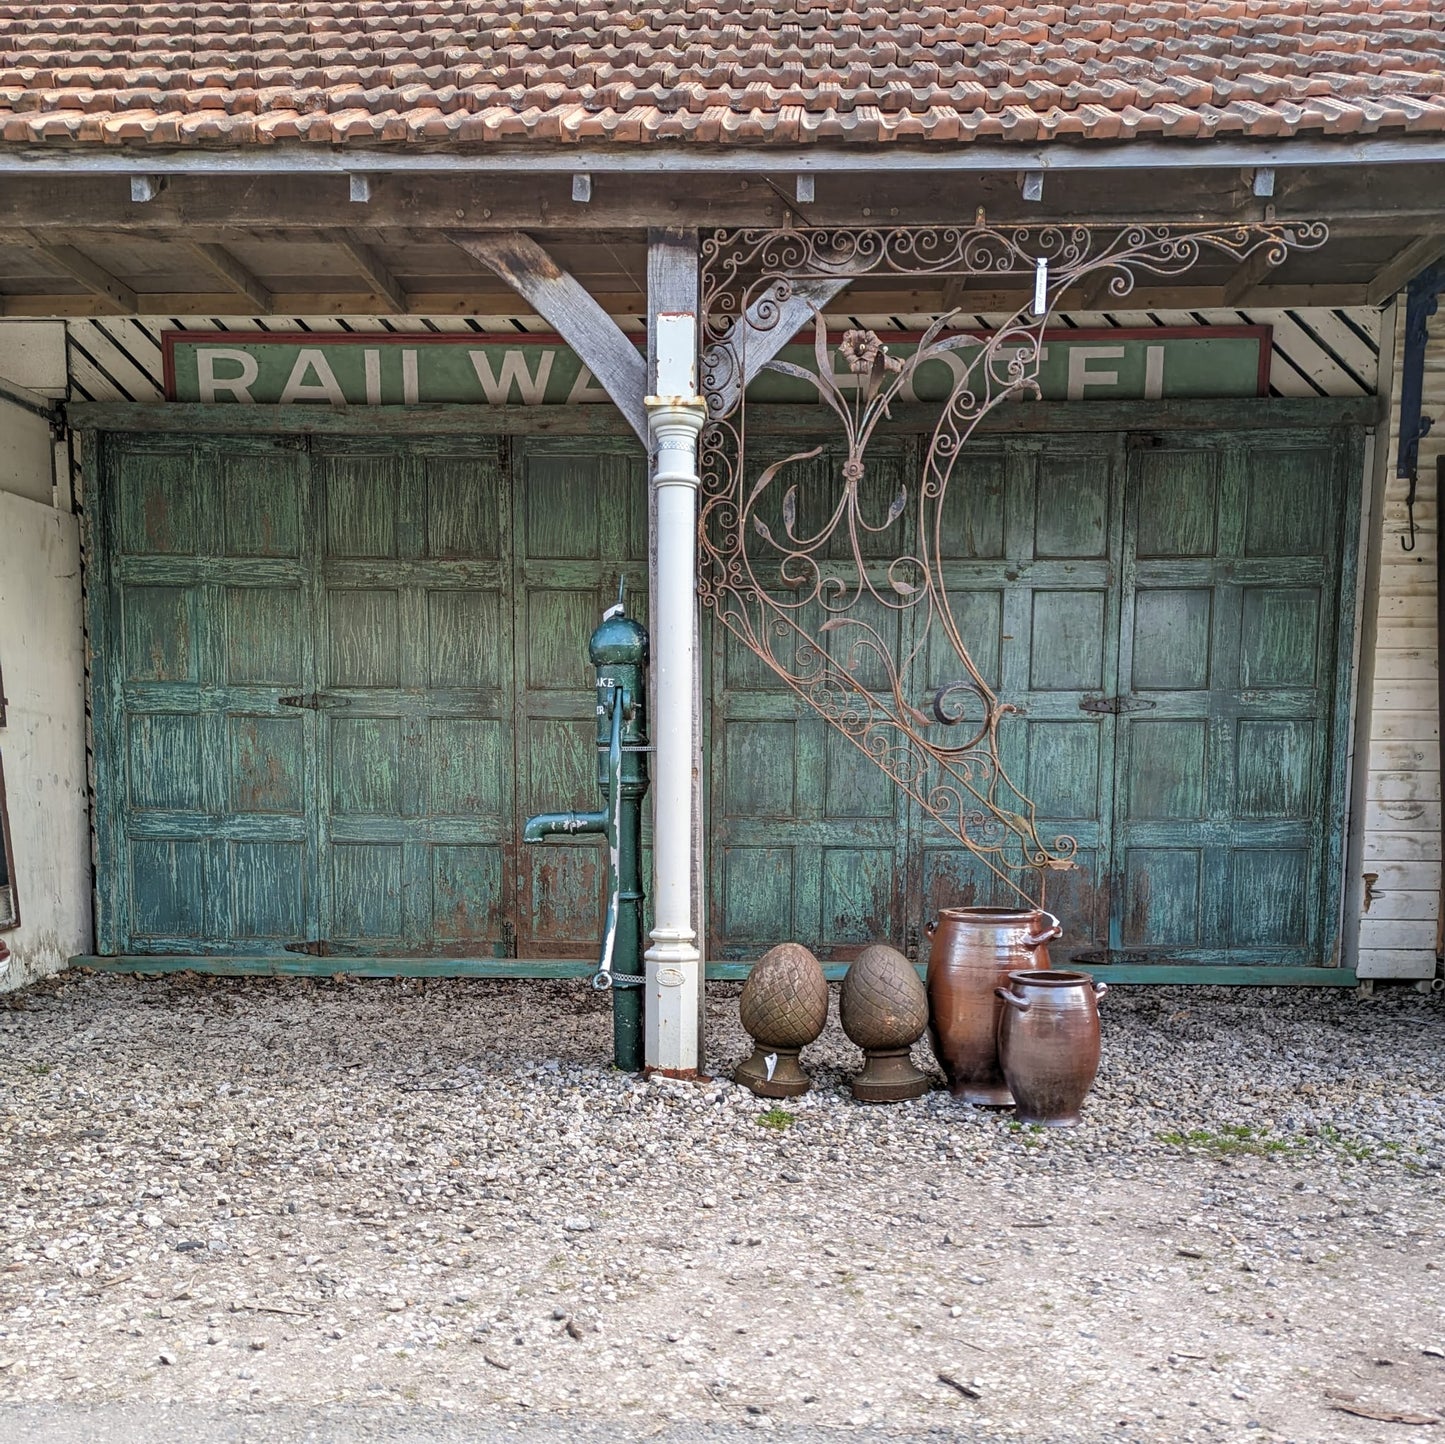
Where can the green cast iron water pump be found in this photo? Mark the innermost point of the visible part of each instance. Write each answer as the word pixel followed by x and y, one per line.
pixel 618 652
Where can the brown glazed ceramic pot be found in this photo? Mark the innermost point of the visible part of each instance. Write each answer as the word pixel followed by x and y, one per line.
pixel 974 951
pixel 784 1005
pixel 884 1010
pixel 1048 1043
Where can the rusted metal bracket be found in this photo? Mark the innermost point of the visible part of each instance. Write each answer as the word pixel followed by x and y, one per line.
pixel 314 702
pixel 1113 706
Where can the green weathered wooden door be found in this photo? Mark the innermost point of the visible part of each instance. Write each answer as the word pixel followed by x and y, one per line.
pixel 331 679
pixel 1229 770
pixel 1164 615
pixel 206 804
pixel 410 612
pixel 582 524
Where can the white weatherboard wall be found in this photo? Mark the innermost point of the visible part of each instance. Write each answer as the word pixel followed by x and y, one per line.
pixel 42 747
pixel 1395 860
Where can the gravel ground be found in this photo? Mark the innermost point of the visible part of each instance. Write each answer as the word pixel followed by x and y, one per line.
pixel 387 1210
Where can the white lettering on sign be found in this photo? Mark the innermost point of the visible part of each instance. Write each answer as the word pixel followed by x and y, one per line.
pixel 1153 373
pixel 237 387
pixel 531 388
pixel 410 387
pixel 585 390
pixel 371 360
pixel 1079 374
pixel 310 360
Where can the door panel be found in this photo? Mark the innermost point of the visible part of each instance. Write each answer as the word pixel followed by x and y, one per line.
pixel 1039 616
pixel 808 836
pixel 583 524
pixel 1228 667
pixel 416 801
pixel 203 819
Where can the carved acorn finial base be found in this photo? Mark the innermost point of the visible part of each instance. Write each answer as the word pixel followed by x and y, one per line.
pixel 889 1076
pixel 786 1078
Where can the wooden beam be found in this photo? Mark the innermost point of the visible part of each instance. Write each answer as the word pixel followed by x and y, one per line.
pixel 1402 201
pixel 1168 414
pixel 365 260
pixel 221 262
pixel 458 302
pixel 1247 277
pixel 95 279
pixel 556 296
pixel 751 344
pixel 1404 266
pixel 673 261
pixel 1094 289
pixel 955 292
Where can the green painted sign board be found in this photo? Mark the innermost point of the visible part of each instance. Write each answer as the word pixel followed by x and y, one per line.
pixel 486 370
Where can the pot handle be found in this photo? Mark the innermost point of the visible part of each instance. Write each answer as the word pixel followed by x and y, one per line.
pixel 1051 930
pixel 1022 1004
pixel 929 928
pixel 1099 988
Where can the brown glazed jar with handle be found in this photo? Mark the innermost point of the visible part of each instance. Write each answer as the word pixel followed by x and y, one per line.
pixel 974 951
pixel 1048 1043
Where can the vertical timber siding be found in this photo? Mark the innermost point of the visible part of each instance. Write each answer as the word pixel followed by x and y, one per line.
pixel 1396 886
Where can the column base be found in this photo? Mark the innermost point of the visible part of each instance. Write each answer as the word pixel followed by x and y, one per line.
pixel 673 968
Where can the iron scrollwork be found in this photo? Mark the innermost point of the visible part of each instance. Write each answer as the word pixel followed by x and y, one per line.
pixel 810 592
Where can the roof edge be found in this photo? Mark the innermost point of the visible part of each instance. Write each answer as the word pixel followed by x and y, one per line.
pixel 690 158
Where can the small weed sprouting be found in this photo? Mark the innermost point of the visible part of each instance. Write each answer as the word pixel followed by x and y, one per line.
pixel 1351 1148
pixel 1233 1138
pixel 776 1118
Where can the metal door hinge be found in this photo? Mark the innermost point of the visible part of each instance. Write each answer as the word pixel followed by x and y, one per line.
pixel 1115 705
pixel 314 702
pixel 911 946
pixel 509 940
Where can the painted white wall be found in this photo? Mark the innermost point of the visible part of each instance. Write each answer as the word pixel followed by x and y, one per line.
pixel 1393 927
pixel 43 745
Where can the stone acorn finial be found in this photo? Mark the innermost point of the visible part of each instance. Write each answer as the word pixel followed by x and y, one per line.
pixel 884 1010
pixel 784 1007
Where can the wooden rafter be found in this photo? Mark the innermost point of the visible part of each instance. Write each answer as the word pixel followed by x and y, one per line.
pixel 369 264
pixel 1247 277
pixel 220 262
pixel 1093 292
pixel 96 280
pixel 1404 266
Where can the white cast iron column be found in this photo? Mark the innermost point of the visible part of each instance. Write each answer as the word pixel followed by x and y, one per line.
pixel 673 964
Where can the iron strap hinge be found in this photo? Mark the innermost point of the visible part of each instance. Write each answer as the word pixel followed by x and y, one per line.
pixel 1115 705
pixel 314 702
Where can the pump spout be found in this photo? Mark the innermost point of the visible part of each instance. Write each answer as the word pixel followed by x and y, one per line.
pixel 550 824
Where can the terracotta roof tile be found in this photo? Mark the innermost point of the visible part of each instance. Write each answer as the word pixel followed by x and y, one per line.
pixel 369 72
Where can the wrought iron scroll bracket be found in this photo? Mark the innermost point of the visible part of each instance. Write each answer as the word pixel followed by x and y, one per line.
pixel 799 593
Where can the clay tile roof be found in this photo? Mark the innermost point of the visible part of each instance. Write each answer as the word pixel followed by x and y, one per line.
pixel 788 72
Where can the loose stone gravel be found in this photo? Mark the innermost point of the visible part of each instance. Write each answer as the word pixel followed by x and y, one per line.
pixel 291 1196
